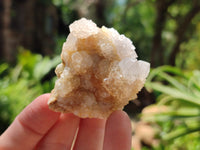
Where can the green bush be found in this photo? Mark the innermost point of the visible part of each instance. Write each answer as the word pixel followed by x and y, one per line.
pixel 179 92
pixel 22 83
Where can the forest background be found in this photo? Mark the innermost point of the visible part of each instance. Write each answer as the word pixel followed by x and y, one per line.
pixel 166 33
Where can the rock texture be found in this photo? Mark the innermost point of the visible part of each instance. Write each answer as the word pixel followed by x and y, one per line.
pixel 99 72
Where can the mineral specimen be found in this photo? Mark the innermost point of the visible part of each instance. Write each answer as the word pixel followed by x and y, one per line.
pixel 99 72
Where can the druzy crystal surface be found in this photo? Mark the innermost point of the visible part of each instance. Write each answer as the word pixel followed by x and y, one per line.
pixel 99 72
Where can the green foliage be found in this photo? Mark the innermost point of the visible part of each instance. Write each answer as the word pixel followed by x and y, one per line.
pixel 22 83
pixel 179 92
pixel 188 58
pixel 67 10
pixel 59 43
pixel 136 22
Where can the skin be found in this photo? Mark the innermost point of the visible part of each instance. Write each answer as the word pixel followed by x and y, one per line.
pixel 37 127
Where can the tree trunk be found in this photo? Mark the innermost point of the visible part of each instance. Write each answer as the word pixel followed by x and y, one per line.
pixel 157 51
pixel 32 25
pixel 5 34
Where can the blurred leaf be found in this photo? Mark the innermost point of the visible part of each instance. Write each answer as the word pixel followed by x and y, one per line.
pixel 44 66
pixel 179 95
pixel 181 132
pixel 3 67
pixel 23 83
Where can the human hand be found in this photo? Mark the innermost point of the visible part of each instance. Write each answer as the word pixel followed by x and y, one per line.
pixel 37 127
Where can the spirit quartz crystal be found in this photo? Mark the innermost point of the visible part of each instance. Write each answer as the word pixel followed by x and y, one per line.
pixel 99 72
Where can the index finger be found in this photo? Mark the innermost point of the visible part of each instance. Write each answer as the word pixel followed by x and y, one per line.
pixel 30 125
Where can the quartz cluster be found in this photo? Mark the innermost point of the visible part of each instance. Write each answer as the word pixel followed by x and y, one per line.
pixel 99 72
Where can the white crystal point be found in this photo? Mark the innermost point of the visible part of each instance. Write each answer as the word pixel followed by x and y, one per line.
pixel 83 28
pixel 132 69
pixel 124 45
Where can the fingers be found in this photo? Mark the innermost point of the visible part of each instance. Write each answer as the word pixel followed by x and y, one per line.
pixel 37 125
pixel 61 135
pixel 29 126
pixel 117 132
pixel 90 135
